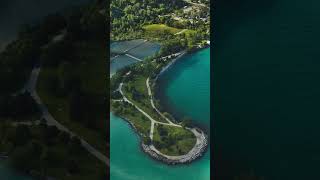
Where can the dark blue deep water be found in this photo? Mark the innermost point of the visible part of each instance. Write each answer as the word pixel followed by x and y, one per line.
pixel 266 73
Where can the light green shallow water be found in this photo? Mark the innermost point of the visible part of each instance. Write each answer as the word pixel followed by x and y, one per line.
pixel 128 162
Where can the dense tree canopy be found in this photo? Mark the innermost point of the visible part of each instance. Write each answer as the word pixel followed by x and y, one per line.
pixel 128 16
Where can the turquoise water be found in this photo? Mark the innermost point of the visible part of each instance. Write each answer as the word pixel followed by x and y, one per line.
pixel 184 89
pixel 127 160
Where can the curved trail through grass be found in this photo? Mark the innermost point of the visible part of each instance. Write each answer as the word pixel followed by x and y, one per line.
pixel 152 103
pixel 201 141
pixel 143 112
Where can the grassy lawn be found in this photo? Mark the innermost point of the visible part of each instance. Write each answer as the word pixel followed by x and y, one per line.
pixel 92 74
pixel 139 83
pixel 161 28
pixel 189 32
pixel 133 115
pixel 172 140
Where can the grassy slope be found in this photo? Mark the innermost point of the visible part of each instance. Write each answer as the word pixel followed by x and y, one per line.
pixel 157 28
pixel 161 28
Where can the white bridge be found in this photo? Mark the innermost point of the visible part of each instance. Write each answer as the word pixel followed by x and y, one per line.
pixel 138 59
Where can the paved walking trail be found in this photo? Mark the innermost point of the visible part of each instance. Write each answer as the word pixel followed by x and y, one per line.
pixel 153 121
pixel 152 103
pixel 201 141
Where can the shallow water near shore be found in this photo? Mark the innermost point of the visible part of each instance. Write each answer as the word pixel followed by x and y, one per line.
pixel 184 90
pixel 129 162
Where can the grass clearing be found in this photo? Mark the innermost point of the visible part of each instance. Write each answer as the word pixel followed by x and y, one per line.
pixel 173 141
pixel 189 32
pixel 133 115
pixel 143 102
pixel 161 28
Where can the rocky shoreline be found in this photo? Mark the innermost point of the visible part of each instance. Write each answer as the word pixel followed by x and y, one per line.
pixel 195 153
pixel 198 150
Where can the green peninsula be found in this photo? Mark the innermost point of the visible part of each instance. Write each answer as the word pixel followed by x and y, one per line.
pixel 179 27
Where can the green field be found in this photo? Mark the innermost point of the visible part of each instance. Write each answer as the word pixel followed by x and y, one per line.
pixel 169 140
pixel 138 83
pixel 161 28
pixel 173 141
pixel 140 122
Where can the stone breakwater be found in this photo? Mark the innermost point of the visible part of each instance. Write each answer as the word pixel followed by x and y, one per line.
pixel 201 138
pixel 196 152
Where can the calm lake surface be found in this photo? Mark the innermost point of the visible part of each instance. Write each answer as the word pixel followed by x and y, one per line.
pixel 266 89
pixel 129 162
pixel 13 14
